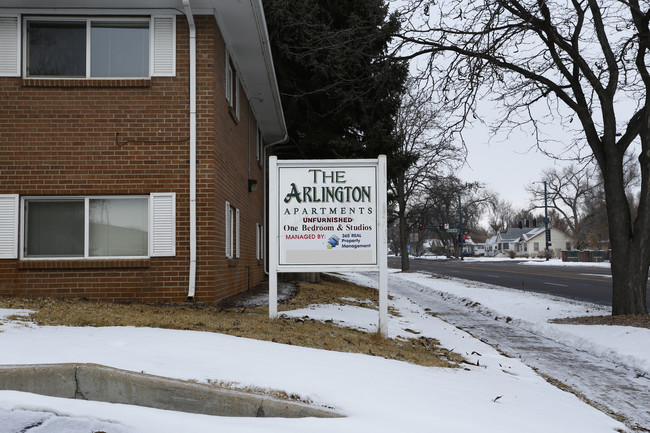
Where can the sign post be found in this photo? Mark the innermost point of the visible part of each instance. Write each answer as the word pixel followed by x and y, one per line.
pixel 328 216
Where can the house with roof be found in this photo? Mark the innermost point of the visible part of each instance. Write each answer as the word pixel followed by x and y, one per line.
pixel 530 242
pixel 533 242
pixel 132 144
pixel 506 242
pixel 491 246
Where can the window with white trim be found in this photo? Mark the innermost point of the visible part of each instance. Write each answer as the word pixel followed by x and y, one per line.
pixel 259 146
pixel 535 246
pixel 98 47
pixel 95 227
pixel 259 253
pixel 232 232
pixel 232 86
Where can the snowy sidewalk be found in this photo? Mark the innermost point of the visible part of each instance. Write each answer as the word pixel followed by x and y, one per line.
pixel 608 365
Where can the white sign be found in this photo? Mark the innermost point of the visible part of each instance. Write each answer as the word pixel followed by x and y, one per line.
pixel 327 215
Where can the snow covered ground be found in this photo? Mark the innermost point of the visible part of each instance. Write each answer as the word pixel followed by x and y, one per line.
pixel 375 395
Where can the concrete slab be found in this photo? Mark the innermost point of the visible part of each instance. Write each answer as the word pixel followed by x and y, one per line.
pixel 107 384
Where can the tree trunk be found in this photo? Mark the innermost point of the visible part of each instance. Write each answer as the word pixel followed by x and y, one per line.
pixel 629 281
pixel 403 232
pixel 630 241
pixel 403 241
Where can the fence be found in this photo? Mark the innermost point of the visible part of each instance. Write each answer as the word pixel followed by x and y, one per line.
pixel 586 256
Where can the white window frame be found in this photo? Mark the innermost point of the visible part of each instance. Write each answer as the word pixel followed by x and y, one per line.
pixel 167 71
pixel 151 229
pixel 232 86
pixel 232 232
pixel 259 146
pixel 259 242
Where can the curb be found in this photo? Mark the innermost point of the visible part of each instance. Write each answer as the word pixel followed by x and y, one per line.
pixel 101 383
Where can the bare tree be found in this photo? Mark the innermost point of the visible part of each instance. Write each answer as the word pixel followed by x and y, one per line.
pixel 500 215
pixel 444 197
pixel 567 190
pixel 422 151
pixel 576 193
pixel 556 62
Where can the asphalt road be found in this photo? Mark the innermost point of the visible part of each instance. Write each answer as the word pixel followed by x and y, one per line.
pixel 590 284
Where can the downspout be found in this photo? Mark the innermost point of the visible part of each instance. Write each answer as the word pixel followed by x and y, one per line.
pixel 190 22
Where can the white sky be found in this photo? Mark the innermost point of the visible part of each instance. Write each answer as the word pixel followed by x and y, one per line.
pixel 506 165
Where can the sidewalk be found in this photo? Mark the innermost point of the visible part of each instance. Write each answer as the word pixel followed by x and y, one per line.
pixel 615 378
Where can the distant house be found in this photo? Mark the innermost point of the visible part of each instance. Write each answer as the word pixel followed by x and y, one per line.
pixel 530 242
pixel 132 139
pixel 491 246
pixel 533 242
pixel 473 248
pixel 507 241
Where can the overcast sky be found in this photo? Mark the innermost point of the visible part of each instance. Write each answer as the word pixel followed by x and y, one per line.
pixel 505 165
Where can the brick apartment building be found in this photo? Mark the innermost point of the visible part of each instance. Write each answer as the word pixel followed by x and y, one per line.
pixel 131 147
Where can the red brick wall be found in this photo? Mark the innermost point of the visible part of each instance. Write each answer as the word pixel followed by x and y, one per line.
pixel 124 137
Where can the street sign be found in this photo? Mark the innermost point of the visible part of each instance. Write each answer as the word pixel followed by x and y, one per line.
pixel 452 230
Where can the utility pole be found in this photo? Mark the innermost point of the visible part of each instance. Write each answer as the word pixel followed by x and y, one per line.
pixel 547 234
pixel 460 228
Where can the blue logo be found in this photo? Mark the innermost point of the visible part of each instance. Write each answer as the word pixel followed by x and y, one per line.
pixel 333 242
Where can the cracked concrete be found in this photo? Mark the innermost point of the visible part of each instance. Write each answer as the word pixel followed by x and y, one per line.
pixel 101 383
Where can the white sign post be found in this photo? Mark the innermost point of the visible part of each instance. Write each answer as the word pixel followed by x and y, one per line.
pixel 328 216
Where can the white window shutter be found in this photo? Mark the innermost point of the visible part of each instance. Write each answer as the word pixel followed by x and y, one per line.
pixel 163 225
pixel 228 230
pixel 9 46
pixel 262 242
pixel 164 47
pixel 8 226
pixel 237 235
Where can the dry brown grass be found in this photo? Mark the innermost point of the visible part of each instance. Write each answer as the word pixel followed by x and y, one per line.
pixel 636 320
pixel 250 322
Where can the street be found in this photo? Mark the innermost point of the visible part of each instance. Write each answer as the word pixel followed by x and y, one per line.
pixel 584 283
